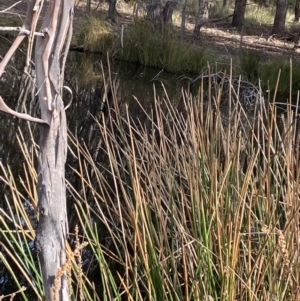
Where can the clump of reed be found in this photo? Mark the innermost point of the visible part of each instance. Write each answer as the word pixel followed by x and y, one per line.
pixel 171 212
pixel 163 49
pixel 140 43
pixel 257 66
pixel 97 35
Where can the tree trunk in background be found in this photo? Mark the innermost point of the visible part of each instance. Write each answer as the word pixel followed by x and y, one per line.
pixel 224 5
pixel 239 14
pixel 51 234
pixel 88 6
pixel 154 10
pixel 167 11
pixel 183 21
pixel 297 11
pixel 264 3
pixel 280 16
pixel 112 10
pixel 201 17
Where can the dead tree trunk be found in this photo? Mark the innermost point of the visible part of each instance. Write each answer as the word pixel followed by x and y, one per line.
pixel 51 234
pixel 51 52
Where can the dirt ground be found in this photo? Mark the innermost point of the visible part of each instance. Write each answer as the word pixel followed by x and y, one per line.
pixel 220 38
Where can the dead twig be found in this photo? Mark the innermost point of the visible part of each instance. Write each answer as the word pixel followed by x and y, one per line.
pixel 21 30
pixel 6 109
pixel 9 8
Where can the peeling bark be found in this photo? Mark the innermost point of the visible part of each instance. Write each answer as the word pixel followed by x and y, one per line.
pixel 51 234
pixel 51 51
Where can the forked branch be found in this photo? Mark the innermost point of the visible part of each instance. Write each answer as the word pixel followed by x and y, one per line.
pixel 28 29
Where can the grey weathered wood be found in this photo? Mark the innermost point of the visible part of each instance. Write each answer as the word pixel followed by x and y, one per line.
pixel 52 231
pixel 50 57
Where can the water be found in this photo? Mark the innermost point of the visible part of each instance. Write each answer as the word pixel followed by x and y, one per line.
pixel 87 79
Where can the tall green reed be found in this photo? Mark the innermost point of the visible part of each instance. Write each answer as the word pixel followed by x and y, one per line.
pixel 181 206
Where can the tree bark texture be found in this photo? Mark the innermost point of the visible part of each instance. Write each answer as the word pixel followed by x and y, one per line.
pixel 51 234
pixel 280 16
pixel 201 17
pixel 239 14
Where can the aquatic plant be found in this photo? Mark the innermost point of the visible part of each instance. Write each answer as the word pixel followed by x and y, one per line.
pixel 170 210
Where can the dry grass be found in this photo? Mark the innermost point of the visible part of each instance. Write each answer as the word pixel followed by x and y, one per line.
pixel 182 206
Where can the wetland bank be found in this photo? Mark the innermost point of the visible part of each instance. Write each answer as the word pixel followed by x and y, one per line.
pixel 174 218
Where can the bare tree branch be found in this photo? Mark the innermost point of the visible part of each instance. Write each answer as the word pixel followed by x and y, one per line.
pixel 28 29
pixel 6 109
pixel 21 30
pixel 9 8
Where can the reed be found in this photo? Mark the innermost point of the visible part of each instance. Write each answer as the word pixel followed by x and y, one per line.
pixel 181 206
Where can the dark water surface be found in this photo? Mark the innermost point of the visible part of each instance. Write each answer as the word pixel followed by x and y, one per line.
pixel 90 81
pixel 90 84
pixel 86 78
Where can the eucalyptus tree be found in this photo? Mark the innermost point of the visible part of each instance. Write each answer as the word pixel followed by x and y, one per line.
pixel 297 11
pixel 224 4
pixel 51 49
pixel 88 6
pixel 201 17
pixel 183 18
pixel 239 14
pixel 112 10
pixel 280 16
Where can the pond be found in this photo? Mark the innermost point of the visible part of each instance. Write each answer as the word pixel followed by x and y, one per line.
pixel 90 83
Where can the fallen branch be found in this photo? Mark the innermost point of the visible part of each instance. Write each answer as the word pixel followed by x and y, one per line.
pixel 216 20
